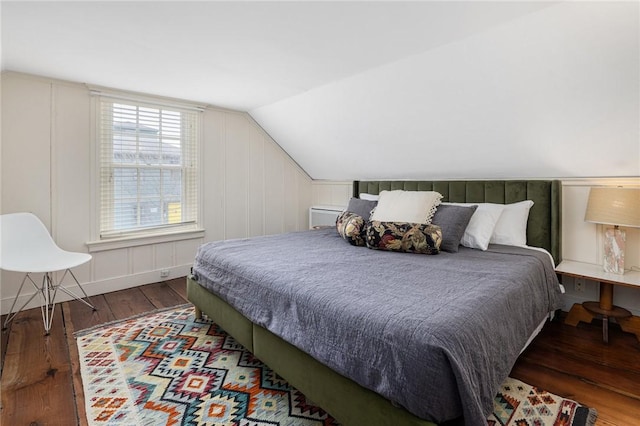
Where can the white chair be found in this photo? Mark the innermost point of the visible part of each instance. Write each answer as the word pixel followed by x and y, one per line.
pixel 28 247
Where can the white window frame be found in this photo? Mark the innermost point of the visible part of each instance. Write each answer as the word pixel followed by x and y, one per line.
pixel 147 235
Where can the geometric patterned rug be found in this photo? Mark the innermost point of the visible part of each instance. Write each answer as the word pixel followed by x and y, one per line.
pixel 167 368
pixel 520 404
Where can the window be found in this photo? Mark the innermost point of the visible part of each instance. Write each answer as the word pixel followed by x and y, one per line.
pixel 148 173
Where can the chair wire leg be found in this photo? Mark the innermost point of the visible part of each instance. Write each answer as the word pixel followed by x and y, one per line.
pixel 86 299
pixel 15 299
pixel 51 292
pixel 12 314
pixel 47 291
pixel 47 306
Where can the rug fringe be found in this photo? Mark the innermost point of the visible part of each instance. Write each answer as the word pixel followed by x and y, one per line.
pixel 85 331
pixel 591 417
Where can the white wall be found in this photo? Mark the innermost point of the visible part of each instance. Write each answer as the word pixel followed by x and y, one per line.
pixel 549 93
pixel 581 241
pixel 331 193
pixel 250 186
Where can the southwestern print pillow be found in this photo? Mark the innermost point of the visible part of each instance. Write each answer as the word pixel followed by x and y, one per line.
pixel 404 236
pixel 350 226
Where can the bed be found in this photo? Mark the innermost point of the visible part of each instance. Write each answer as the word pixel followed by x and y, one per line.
pixel 401 364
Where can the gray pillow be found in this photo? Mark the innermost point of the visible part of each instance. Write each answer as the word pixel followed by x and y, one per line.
pixel 361 207
pixel 453 220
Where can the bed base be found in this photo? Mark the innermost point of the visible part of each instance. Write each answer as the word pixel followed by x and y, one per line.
pixel 345 400
pixel 348 402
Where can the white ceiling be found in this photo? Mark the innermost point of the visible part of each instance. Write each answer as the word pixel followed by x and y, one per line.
pixel 240 55
pixel 334 81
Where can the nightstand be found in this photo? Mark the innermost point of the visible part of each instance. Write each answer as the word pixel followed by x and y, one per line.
pixel 587 311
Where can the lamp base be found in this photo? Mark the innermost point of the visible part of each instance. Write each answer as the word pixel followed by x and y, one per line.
pixel 614 242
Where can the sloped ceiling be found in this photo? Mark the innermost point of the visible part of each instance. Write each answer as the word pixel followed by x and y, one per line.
pixel 355 90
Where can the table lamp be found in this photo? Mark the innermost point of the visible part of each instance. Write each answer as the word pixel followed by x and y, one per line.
pixel 618 207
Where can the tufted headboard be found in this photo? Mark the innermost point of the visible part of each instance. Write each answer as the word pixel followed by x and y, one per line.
pixel 543 228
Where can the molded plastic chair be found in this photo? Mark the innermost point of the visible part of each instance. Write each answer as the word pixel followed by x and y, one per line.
pixel 28 247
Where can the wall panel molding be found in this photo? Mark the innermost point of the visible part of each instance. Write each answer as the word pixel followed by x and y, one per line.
pixel 250 186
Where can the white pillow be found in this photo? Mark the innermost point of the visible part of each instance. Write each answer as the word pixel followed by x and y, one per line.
pixel 511 228
pixel 483 222
pixel 369 197
pixel 406 206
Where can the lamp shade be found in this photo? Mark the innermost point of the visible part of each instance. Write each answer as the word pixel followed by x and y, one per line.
pixel 614 206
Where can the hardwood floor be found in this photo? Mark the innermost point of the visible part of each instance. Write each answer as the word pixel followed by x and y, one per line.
pixel 575 363
pixel 41 381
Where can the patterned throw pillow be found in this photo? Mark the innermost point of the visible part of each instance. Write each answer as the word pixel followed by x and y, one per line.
pixel 404 236
pixel 350 226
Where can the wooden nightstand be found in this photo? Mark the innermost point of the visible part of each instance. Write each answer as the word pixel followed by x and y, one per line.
pixel 587 311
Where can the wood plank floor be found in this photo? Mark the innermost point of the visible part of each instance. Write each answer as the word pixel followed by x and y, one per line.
pixel 41 382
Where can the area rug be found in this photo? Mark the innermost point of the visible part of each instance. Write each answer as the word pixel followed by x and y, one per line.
pixel 168 368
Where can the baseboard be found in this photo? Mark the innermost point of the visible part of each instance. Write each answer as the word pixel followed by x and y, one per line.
pixel 97 287
pixel 135 280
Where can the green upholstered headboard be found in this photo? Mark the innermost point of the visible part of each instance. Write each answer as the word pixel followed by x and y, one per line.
pixel 543 228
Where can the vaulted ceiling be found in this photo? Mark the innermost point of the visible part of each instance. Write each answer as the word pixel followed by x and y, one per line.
pixel 371 89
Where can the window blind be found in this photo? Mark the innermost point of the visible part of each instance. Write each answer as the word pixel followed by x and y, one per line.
pixel 148 167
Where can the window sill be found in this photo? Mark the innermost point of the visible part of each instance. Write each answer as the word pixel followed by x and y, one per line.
pixel 143 240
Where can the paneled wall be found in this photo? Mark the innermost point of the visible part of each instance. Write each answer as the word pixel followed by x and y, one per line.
pixel 581 241
pixel 331 193
pixel 250 186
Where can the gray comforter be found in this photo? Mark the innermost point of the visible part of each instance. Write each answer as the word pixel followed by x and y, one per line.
pixel 436 335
